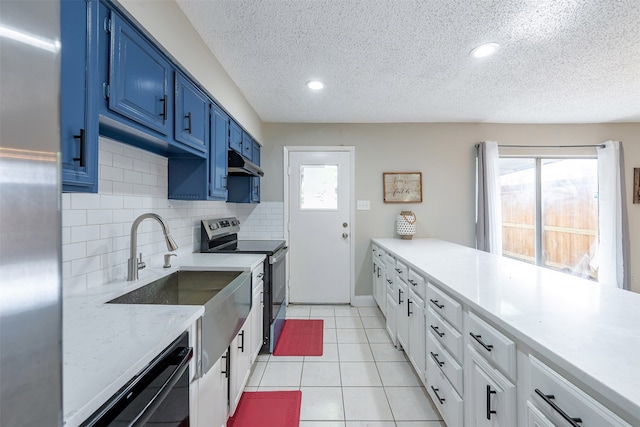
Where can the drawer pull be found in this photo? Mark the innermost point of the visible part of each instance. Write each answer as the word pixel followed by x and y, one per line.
pixel 435 391
pixel 398 270
pixel 435 329
pixel 548 399
pixel 413 282
pixel 434 356
pixel 435 302
pixel 389 281
pixel 489 393
pixel 487 347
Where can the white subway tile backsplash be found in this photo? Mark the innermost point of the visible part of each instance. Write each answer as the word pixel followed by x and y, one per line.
pixel 96 227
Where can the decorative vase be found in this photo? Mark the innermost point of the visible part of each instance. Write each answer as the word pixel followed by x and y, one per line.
pixel 406 225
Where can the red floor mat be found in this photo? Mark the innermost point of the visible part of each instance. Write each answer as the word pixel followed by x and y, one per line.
pixel 300 337
pixel 267 409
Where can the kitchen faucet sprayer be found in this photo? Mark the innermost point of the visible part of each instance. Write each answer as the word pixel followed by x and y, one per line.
pixel 134 264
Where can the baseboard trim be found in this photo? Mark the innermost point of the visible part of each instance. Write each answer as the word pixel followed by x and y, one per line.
pixel 363 301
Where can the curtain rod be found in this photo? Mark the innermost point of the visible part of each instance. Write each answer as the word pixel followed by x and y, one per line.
pixel 549 146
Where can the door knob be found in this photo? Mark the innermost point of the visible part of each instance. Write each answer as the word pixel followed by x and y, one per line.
pixel 345 235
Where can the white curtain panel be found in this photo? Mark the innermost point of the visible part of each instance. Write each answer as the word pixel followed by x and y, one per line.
pixel 489 203
pixel 613 246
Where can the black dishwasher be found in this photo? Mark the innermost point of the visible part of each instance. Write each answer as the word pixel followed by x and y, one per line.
pixel 158 395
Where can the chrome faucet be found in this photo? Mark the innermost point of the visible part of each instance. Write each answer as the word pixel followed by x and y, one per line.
pixel 134 264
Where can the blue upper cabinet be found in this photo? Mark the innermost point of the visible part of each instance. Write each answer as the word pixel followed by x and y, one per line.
pixel 247 146
pixel 78 120
pixel 235 137
pixel 139 79
pixel 256 153
pixel 218 154
pixel 191 114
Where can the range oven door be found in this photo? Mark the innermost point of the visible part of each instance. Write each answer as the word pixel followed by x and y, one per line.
pixel 275 315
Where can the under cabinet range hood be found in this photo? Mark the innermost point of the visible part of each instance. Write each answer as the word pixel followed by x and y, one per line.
pixel 238 165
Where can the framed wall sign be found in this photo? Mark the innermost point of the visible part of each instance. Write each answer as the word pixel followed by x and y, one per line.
pixel 402 187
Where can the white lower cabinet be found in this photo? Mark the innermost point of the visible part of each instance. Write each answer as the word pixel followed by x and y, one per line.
pixel 212 395
pixel 490 396
pixel 535 418
pixel 240 354
pixel 444 396
pixel 417 333
pixel 257 310
pixel 402 314
pixel 392 304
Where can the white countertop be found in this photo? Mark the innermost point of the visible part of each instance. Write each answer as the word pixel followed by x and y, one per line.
pixel 105 345
pixel 589 330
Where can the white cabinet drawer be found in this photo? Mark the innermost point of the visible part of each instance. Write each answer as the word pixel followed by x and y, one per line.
pixel 444 397
pixel 256 275
pixel 492 345
pixel 568 401
pixel 402 270
pixel 417 282
pixel 445 334
pixel 390 261
pixel 448 365
pixel 444 305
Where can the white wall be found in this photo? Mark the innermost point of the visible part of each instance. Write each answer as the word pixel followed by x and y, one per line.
pixel 445 155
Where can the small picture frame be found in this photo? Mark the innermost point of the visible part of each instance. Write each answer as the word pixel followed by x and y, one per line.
pixel 402 187
pixel 636 185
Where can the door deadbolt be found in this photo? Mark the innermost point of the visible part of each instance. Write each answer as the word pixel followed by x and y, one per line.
pixel 345 225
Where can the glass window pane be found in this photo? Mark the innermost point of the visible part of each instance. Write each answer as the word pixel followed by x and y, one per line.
pixel 570 215
pixel 319 187
pixel 518 188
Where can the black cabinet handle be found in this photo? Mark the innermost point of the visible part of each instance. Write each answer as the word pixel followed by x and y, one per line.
pixel 434 356
pixel 398 270
pixel 164 108
pixel 188 117
pixel 378 271
pixel 413 282
pixel 409 312
pixel 435 329
pixel 83 142
pixel 435 302
pixel 227 365
pixel 489 393
pixel 241 346
pixel 435 391
pixel 400 296
pixel 487 347
pixel 389 281
pixel 548 399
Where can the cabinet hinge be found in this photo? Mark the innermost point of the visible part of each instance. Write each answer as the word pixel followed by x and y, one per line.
pixel 107 90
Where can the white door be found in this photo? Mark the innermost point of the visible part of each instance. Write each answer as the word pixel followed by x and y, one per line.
pixel 320 228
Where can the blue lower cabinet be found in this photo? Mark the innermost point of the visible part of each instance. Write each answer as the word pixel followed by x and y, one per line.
pixel 243 189
pixel 78 119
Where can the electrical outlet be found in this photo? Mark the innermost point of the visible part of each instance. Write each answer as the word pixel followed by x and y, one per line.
pixel 363 205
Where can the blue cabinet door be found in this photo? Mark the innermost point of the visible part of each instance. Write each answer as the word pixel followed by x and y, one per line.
pixel 139 78
pixel 191 115
pixel 255 190
pixel 247 146
pixel 78 121
pixel 235 137
pixel 256 153
pixel 218 154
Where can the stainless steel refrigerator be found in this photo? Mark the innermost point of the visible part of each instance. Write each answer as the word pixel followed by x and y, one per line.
pixel 30 227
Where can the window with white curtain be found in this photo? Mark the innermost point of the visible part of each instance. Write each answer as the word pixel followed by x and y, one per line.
pixel 550 212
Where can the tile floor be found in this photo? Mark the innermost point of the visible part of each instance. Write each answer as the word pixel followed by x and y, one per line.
pixel 361 380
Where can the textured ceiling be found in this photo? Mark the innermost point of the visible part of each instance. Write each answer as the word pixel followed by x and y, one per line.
pixel 561 61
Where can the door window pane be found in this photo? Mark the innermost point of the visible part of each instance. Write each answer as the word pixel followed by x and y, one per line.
pixel 570 215
pixel 319 187
pixel 518 185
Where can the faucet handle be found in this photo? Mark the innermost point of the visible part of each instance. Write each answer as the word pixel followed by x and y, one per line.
pixel 167 258
pixel 141 264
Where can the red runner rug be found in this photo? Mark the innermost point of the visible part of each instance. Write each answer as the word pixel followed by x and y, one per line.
pixel 267 409
pixel 300 337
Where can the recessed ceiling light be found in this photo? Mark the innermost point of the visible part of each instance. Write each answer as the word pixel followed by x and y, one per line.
pixel 485 50
pixel 315 84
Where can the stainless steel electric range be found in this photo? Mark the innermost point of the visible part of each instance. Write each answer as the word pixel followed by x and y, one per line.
pixel 221 236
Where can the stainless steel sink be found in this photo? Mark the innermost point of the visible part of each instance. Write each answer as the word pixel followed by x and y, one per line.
pixel 225 295
pixel 181 288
